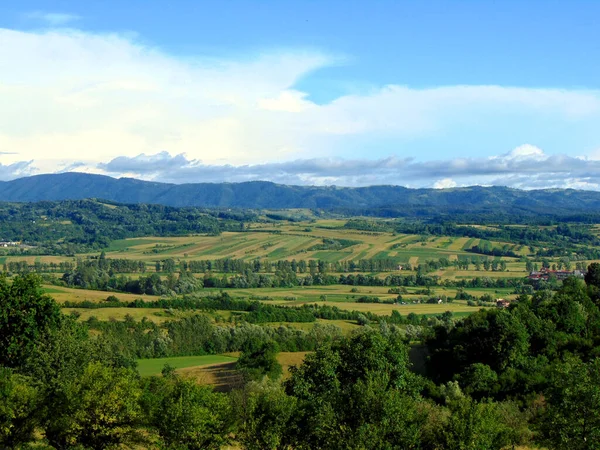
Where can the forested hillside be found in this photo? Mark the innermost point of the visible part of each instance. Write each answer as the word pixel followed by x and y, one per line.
pixel 70 226
pixel 373 200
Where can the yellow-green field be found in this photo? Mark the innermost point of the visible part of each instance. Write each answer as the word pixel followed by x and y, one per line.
pixel 287 241
pixel 154 366
pixel 63 294
pixel 223 375
pixel 385 309
pixel 341 296
pixel 289 359
pixel 294 241
pixel 156 315
pixel 346 326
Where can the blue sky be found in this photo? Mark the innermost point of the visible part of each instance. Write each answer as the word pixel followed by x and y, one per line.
pixel 242 90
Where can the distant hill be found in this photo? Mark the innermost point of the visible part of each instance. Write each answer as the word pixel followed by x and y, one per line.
pixel 267 195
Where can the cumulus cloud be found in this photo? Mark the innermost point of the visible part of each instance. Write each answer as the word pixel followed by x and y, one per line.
pixel 143 164
pixel 526 167
pixel 445 184
pixel 107 103
pixel 16 170
pixel 68 94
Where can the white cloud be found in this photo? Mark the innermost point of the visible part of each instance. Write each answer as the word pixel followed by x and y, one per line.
pixel 525 167
pixel 68 96
pixel 526 151
pixel 16 170
pixel 527 170
pixel 287 101
pixel 53 19
pixel 445 184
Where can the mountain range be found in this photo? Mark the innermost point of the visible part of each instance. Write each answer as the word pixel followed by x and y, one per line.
pixel 267 195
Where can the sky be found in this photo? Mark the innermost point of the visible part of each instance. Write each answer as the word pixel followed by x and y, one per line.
pixel 349 93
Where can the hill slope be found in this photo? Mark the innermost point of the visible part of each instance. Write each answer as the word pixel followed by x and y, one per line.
pixel 261 194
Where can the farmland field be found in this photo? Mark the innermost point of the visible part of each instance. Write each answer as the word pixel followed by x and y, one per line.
pixel 325 240
pixel 62 294
pixel 153 314
pixel 294 241
pixel 223 375
pixel 154 366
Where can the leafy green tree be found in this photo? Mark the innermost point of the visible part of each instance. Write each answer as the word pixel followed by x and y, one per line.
pixel 57 362
pixel 480 380
pixel 261 361
pixel 19 414
pixel 572 417
pixel 25 316
pixel 102 409
pixel 187 415
pixel 592 276
pixel 263 411
pixel 474 426
pixel 357 393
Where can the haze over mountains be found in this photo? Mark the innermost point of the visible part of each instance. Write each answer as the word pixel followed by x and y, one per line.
pixel 260 194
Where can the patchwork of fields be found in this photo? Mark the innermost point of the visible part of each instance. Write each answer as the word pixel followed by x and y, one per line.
pixel 325 240
pixel 274 242
pixel 299 241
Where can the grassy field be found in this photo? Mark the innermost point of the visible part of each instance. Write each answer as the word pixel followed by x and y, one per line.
pixel 341 296
pixel 223 376
pixel 287 241
pixel 385 309
pixel 63 294
pixel 288 359
pixel 154 366
pixel 346 326
pixel 155 315
pixel 294 241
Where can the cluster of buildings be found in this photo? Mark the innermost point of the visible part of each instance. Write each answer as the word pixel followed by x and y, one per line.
pixel 545 274
pixel 9 243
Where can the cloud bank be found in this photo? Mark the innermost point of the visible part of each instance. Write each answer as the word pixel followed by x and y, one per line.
pixel 525 167
pixel 108 103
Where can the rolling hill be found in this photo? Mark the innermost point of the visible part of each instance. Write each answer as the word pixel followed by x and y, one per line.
pixel 261 194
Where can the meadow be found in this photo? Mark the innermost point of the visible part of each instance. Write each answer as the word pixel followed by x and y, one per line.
pixel 283 241
pixel 154 366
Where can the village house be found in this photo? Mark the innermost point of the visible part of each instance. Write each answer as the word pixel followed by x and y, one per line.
pixel 502 303
pixel 545 274
pixel 10 243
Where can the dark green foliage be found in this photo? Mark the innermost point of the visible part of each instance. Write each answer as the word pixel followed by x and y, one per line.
pixel 19 415
pixel 70 227
pixel 572 418
pixel 257 361
pixel 263 411
pixel 187 415
pixel 355 394
pixel 493 337
pixel 592 276
pixel 498 204
pixel 26 315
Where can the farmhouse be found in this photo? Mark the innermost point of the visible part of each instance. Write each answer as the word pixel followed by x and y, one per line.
pixel 545 274
pixel 502 303
pixel 9 243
